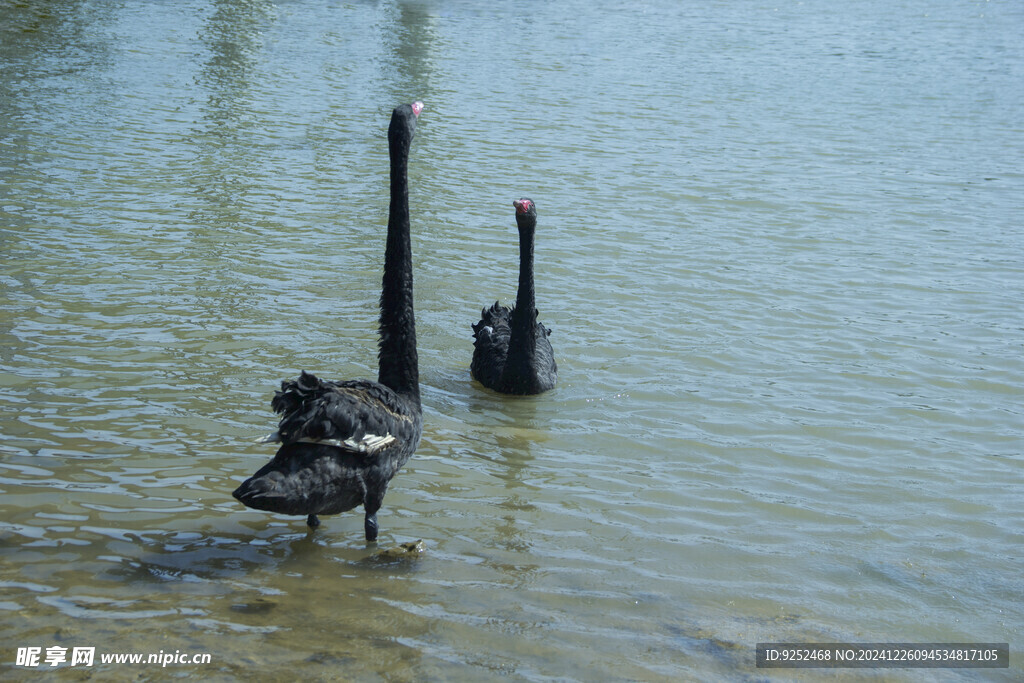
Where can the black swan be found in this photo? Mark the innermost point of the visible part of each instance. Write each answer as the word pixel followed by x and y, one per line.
pixel 342 442
pixel 511 351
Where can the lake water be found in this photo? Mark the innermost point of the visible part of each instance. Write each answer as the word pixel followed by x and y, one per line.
pixel 780 246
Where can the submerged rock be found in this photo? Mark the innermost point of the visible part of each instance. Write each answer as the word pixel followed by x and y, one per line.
pixel 400 553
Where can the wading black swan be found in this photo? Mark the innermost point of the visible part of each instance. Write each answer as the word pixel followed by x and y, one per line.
pixel 342 442
pixel 511 351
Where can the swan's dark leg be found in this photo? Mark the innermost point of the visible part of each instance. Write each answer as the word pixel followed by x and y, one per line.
pixel 371 503
pixel 312 521
pixel 370 526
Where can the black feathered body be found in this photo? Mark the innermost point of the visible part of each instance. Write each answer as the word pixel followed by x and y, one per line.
pixel 492 339
pixel 341 444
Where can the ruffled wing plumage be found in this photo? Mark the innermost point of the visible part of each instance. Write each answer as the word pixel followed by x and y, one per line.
pixel 358 415
pixel 490 344
pixel 546 369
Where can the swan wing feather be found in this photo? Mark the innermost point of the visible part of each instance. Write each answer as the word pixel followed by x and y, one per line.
pixel 358 416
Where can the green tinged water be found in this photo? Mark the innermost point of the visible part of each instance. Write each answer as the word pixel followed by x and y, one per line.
pixel 779 246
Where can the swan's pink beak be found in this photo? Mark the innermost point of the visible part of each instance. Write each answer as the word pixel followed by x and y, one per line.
pixel 522 205
pixel 417 107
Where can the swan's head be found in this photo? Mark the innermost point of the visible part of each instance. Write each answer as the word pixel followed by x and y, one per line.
pixel 403 121
pixel 525 207
pixel 526 214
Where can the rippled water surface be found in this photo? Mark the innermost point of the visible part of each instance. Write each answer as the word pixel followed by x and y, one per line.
pixel 780 246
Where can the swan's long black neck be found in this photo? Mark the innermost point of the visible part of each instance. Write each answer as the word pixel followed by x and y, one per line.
pixel 523 340
pixel 397 358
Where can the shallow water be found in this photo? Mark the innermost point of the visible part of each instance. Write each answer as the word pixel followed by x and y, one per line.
pixel 779 246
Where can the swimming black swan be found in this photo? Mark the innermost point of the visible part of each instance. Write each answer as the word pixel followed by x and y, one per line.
pixel 342 442
pixel 511 351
